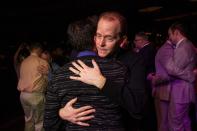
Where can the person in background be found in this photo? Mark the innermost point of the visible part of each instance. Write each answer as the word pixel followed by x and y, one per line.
pixel 46 55
pixel 59 55
pixel 21 53
pixel 146 49
pixel 161 86
pixel 182 93
pixel 32 85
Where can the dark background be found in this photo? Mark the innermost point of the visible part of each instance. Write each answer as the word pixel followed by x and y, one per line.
pixel 47 20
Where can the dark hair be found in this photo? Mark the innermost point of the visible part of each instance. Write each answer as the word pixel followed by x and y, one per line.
pixel 35 45
pixel 113 15
pixel 23 53
pixel 81 33
pixel 142 35
pixel 180 27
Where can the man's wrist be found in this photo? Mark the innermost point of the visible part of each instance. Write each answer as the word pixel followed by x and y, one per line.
pixel 100 82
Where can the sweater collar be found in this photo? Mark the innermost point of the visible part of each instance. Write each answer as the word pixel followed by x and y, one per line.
pixel 86 53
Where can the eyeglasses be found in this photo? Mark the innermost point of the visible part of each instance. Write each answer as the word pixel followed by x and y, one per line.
pixel 106 38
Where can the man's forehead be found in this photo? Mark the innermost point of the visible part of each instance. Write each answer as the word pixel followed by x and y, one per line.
pixel 108 21
pixel 107 34
pixel 107 27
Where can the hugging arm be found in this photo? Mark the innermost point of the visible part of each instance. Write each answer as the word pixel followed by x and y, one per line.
pixel 88 75
pixel 76 116
pixel 130 94
pixel 176 63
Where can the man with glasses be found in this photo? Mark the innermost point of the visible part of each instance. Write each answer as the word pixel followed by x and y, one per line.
pixel 110 34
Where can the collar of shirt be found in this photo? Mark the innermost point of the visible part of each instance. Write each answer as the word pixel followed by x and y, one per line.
pixel 178 43
pixel 86 53
pixel 169 42
pixel 146 44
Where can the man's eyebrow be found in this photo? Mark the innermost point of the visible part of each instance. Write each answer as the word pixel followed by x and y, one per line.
pixel 109 36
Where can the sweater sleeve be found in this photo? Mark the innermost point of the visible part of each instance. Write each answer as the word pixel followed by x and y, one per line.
pixel 52 121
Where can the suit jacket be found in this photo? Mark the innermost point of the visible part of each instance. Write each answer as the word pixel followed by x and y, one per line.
pixel 62 89
pixel 131 96
pixel 148 52
pixel 162 90
pixel 182 63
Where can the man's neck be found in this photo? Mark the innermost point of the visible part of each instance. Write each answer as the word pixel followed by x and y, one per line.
pixel 34 54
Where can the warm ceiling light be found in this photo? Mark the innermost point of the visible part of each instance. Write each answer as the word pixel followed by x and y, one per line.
pixel 176 16
pixel 193 0
pixel 150 9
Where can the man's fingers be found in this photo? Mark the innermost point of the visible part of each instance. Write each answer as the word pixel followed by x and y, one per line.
pixel 83 108
pixel 72 101
pixel 74 70
pixel 82 123
pixel 95 65
pixel 85 113
pixel 85 118
pixel 78 67
pixel 83 65
pixel 75 78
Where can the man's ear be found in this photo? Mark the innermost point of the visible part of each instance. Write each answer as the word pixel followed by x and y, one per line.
pixel 94 39
pixel 124 42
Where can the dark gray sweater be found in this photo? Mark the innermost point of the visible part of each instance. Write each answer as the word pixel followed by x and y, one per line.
pixel 62 89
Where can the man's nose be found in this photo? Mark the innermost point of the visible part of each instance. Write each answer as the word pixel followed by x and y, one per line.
pixel 102 42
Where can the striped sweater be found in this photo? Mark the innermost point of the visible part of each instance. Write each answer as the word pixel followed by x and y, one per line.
pixel 62 89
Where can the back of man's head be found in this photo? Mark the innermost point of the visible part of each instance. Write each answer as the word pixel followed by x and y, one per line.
pixel 143 35
pixel 35 46
pixel 81 34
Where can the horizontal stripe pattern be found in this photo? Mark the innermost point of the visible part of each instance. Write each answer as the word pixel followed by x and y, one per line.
pixel 61 89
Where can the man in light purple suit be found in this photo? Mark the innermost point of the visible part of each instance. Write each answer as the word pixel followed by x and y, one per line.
pixel 161 85
pixel 182 63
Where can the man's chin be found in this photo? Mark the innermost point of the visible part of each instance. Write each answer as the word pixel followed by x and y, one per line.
pixel 102 54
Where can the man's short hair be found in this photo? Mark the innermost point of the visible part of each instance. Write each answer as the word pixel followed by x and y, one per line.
pixel 81 33
pixel 142 35
pixel 113 15
pixel 180 27
pixel 35 45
